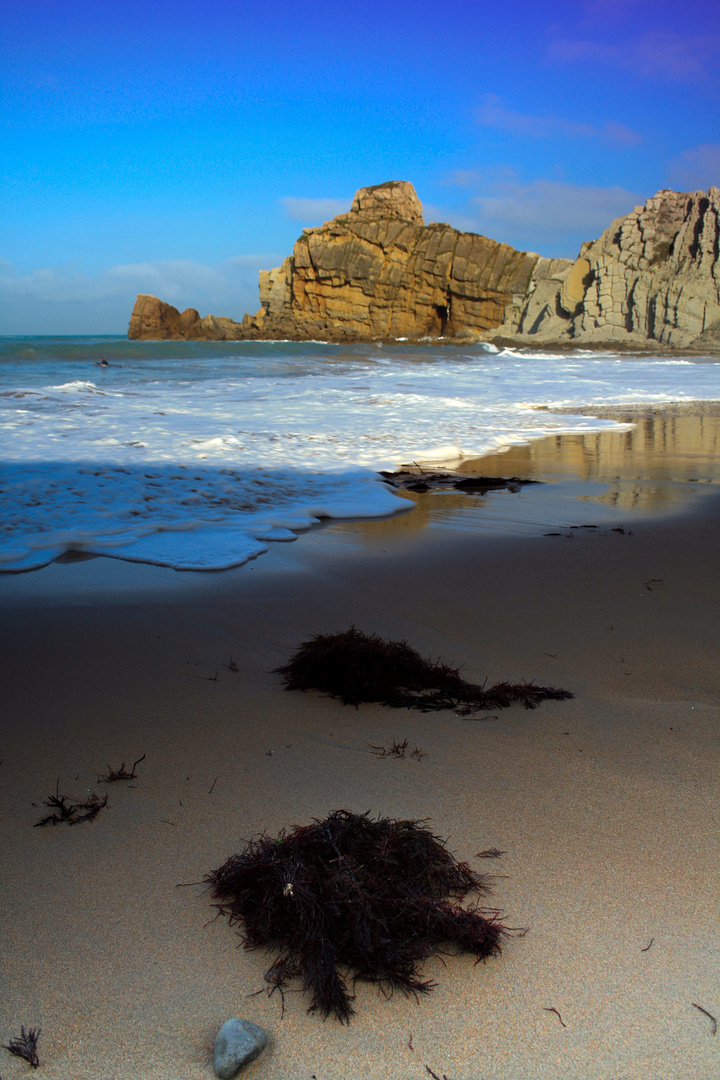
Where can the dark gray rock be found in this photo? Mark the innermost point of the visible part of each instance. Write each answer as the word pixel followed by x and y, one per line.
pixel 237 1042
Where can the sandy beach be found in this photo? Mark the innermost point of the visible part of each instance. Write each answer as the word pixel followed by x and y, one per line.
pixel 605 806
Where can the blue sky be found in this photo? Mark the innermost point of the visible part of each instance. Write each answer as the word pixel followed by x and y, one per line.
pixel 178 147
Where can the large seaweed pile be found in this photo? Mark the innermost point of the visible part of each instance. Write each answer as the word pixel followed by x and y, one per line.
pixel 373 898
pixel 358 667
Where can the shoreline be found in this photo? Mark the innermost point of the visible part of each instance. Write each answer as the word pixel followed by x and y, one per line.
pixel 644 470
pixel 626 349
pixel 604 804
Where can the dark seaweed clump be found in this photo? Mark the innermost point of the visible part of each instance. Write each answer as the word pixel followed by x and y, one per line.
pixel 373 898
pixel 358 667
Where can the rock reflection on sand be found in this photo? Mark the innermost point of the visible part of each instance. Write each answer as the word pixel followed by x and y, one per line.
pixel 659 465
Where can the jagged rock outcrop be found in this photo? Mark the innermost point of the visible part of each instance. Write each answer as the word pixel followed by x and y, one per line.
pixel 375 273
pixel 154 320
pixel 654 275
pixel 379 273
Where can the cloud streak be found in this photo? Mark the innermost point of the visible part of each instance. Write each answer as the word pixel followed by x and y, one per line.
pixel 654 54
pixel 172 280
pixel 553 208
pixel 696 169
pixel 67 299
pixel 494 114
pixel 549 216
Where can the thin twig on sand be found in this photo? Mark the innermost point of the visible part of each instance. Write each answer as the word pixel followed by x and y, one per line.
pixel 706 1013
pixel 552 1009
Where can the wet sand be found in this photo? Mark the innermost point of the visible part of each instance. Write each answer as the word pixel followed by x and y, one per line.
pixel 606 805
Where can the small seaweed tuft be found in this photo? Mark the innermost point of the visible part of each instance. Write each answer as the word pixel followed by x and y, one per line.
pixel 358 667
pixel 25 1046
pixel 397 750
pixel 112 775
pixel 349 897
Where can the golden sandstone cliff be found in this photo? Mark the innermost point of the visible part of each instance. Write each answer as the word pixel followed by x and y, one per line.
pixel 379 273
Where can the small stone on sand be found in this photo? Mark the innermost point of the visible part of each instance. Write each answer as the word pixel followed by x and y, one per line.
pixel 238 1042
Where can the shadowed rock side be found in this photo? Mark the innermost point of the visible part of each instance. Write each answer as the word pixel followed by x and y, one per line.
pixel 379 273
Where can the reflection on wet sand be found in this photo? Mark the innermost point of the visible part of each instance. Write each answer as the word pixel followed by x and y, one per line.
pixel 659 465
pixel 661 446
pixel 607 479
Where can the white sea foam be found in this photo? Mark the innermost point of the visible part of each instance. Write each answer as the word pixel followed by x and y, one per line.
pixel 197 461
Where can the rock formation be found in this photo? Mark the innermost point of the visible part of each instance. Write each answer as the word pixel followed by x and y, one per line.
pixel 379 273
pixel 154 320
pixel 654 275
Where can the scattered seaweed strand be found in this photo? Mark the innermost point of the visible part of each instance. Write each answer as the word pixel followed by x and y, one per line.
pixel 91 808
pixel 66 812
pixel 25 1046
pixel 397 749
pixel 112 775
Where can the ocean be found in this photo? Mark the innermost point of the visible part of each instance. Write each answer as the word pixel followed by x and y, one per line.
pixel 197 455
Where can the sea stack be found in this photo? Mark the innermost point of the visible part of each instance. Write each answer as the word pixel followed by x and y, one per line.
pixel 378 273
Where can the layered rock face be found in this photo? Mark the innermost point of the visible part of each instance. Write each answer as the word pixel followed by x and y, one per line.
pixel 375 273
pixel 379 273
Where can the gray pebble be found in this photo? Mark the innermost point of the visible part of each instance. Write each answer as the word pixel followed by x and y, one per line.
pixel 238 1041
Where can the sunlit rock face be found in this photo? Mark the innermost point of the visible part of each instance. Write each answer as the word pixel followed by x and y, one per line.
pixel 154 320
pixel 378 273
pixel 373 274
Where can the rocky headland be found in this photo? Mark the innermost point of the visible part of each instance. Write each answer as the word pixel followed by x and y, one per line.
pixel 378 273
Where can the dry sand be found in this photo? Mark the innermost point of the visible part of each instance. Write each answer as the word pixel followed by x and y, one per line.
pixel 606 806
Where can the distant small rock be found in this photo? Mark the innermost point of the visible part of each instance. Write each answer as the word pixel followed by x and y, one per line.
pixel 237 1042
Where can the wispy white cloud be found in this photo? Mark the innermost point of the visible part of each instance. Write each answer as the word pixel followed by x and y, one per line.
pixel 67 299
pixel 172 280
pixel 462 178
pixel 554 208
pixel 494 114
pixel 696 169
pixel 255 262
pixel 654 54
pixel 314 211
pixel 550 216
